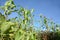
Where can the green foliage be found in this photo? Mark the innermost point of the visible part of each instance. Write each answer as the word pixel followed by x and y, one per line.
pixel 16 28
pixel 48 24
pixel 21 27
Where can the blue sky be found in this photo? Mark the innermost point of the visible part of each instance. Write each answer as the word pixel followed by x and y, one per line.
pixel 49 8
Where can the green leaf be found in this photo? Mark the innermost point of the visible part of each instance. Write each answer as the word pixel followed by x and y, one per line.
pixel 6 26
